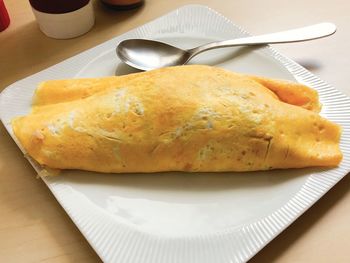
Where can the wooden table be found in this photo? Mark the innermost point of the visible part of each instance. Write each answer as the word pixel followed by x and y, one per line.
pixel 34 227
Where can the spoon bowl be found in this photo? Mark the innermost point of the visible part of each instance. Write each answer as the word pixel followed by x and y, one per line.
pixel 149 54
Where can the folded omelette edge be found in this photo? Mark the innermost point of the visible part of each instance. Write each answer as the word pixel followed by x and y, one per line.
pixel 187 118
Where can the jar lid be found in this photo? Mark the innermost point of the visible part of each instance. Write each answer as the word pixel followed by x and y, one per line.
pixel 57 6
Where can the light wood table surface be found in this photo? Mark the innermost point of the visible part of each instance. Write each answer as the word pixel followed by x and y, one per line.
pixel 34 227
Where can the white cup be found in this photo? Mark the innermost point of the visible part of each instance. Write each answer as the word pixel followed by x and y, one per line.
pixel 66 25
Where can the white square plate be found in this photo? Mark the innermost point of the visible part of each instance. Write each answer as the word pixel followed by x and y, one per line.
pixel 181 217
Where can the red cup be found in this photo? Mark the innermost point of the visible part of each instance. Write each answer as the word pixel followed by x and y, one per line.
pixel 4 16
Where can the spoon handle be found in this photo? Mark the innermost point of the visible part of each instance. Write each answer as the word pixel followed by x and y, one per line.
pixel 294 35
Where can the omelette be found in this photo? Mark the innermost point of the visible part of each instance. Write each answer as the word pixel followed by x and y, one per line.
pixel 190 118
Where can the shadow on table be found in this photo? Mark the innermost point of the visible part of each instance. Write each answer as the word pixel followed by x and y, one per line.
pixel 310 64
pixel 275 249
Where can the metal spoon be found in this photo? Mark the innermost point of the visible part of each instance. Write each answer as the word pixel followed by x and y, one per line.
pixel 149 54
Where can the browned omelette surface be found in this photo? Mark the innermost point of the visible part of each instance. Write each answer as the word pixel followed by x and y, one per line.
pixel 186 118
